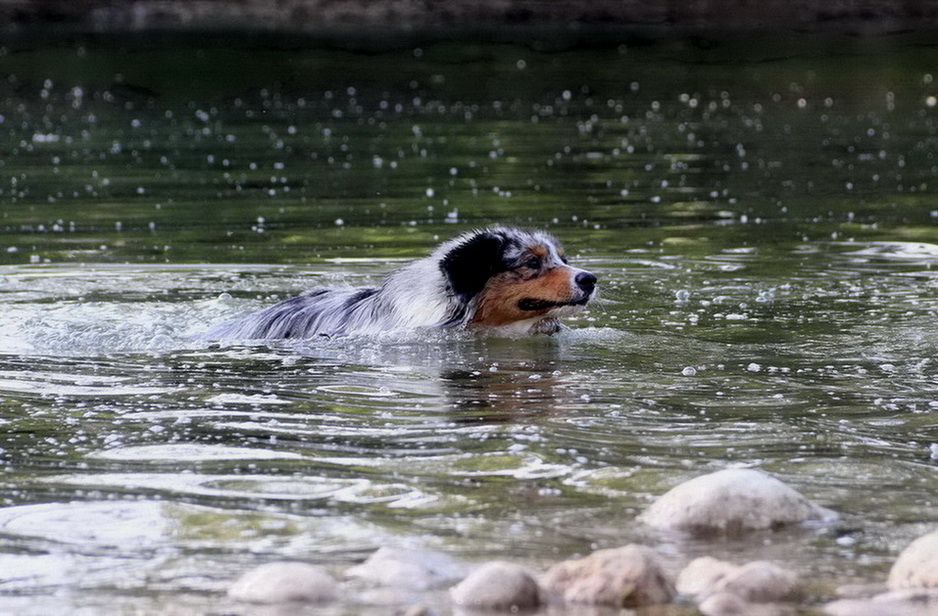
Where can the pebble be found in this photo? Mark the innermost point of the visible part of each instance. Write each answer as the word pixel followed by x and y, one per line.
pixel 497 585
pixel 731 501
pixel 629 576
pixel 282 582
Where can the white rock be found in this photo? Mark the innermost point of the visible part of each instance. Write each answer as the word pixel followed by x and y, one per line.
pixel 762 582
pixel 730 501
pixel 917 565
pixel 919 602
pixel 630 576
pixel 702 576
pixel 497 586
pixel 409 569
pixel 282 582
pixel 758 581
pixel 860 591
pixel 728 604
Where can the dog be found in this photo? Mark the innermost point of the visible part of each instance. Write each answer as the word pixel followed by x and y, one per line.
pixel 506 280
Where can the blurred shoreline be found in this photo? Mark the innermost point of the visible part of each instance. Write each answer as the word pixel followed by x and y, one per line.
pixel 359 18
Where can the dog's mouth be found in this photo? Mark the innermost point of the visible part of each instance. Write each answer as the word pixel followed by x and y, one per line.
pixel 531 304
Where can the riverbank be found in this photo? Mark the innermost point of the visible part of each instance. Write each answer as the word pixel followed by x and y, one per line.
pixel 350 16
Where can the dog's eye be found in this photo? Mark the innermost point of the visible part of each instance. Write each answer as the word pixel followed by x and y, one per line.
pixel 564 259
pixel 532 263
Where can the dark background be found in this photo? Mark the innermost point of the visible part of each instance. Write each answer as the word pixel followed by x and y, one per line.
pixel 449 15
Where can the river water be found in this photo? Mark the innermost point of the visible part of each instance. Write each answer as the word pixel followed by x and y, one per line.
pixel 761 216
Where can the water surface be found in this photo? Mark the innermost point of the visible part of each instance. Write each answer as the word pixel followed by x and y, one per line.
pixel 764 231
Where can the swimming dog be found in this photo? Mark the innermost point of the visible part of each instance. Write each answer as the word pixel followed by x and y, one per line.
pixel 505 279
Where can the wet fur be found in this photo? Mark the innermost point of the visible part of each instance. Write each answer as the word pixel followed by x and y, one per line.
pixel 480 280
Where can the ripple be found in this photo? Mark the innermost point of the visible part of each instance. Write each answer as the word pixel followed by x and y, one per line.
pixel 190 453
pixel 352 390
pixel 356 491
pixel 37 383
pixel 251 399
pixel 900 251
pixel 121 524
pixel 32 572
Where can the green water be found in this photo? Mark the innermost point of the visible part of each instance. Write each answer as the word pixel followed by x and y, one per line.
pixel 760 211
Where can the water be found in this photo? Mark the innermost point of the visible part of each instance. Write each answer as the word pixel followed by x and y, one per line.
pixel 764 230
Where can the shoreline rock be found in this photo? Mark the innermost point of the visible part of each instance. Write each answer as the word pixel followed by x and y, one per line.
pixel 284 582
pixel 409 569
pixel 722 588
pixel 912 584
pixel 917 565
pixel 497 585
pixel 728 604
pixel 630 576
pixel 911 602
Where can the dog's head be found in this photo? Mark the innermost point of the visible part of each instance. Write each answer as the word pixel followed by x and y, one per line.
pixel 514 275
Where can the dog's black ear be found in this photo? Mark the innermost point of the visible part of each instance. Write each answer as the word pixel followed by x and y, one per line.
pixel 468 266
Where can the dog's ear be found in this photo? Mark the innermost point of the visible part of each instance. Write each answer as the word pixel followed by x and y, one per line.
pixel 469 265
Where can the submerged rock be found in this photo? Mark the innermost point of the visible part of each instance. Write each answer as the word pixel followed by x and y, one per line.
pixel 497 586
pixel 757 581
pixel 732 500
pixel 415 610
pixel 859 591
pixel 918 602
pixel 283 582
pixel 702 576
pixel 729 604
pixel 762 582
pixel 409 569
pixel 630 576
pixel 917 565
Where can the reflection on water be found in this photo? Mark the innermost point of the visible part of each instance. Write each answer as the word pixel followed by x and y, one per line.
pixel 755 308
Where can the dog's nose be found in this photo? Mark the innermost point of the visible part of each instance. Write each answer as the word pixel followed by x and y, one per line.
pixel 585 281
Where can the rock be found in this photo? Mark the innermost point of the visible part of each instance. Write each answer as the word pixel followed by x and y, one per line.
pixel 729 604
pixel 702 576
pixel 386 596
pixel 409 569
pixel 919 602
pixel 859 591
pixel 762 582
pixel 730 501
pixel 630 576
pixel 917 565
pixel 497 586
pixel 758 581
pixel 416 610
pixel 283 582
